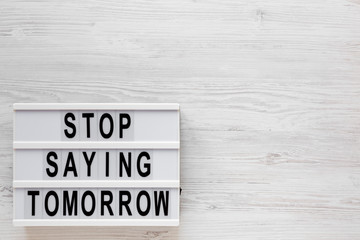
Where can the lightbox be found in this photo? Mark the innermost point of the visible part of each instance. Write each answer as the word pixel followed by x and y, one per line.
pixel 96 164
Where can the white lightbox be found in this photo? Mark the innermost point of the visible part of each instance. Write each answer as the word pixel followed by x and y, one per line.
pixel 96 164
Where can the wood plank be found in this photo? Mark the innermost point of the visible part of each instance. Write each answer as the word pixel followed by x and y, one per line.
pixel 269 94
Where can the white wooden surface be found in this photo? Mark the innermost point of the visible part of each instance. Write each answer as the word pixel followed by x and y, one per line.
pixel 269 94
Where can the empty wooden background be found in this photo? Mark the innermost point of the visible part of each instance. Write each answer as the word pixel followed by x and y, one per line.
pixel 269 94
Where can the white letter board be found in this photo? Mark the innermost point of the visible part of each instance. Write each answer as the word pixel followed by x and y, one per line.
pixel 79 164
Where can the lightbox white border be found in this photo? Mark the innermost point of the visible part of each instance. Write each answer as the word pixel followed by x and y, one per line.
pixel 95 107
pixel 96 184
pixel 96 222
pixel 95 145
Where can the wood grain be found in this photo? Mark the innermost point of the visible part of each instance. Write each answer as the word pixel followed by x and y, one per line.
pixel 269 94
